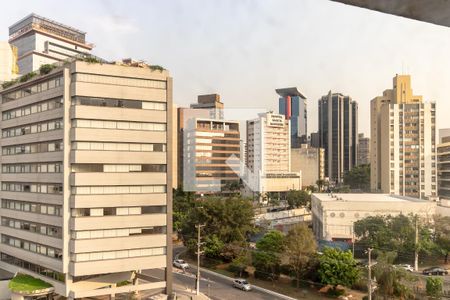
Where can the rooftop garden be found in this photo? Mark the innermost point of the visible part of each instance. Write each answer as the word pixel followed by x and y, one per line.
pixel 27 284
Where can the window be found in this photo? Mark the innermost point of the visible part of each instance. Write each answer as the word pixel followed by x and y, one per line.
pixel 122 103
pixel 83 123
pixel 33 108
pixel 119 147
pixel 34 89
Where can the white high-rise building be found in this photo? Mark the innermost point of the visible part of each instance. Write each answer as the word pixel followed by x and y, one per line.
pixel 269 153
pixel 403 142
pixel 42 41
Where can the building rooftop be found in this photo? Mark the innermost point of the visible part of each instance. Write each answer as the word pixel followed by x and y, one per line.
pixel 26 24
pixel 365 197
pixel 292 91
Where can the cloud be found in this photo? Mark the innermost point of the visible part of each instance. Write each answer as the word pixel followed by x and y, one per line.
pixel 115 24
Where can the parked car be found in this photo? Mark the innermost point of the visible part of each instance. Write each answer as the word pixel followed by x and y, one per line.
pixel 405 267
pixel 181 264
pixel 435 271
pixel 242 284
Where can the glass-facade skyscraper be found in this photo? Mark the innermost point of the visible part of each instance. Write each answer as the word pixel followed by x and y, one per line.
pixel 292 104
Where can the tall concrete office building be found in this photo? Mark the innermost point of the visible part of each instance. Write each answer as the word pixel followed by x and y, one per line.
pixel 403 142
pixel 212 155
pixel 269 155
pixel 443 156
pixel 309 162
pixel 338 134
pixel 363 150
pixel 210 103
pixel 42 41
pixel 86 175
pixel 292 104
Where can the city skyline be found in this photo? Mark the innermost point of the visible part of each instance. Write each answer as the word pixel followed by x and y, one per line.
pixel 256 40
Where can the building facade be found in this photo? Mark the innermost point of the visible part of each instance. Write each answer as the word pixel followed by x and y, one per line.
pixel 292 104
pixel 210 103
pixel 363 150
pixel 8 62
pixel 334 215
pixel 212 155
pixel 42 41
pixel 86 167
pixel 268 155
pixel 403 137
pixel 443 156
pixel 309 162
pixel 338 134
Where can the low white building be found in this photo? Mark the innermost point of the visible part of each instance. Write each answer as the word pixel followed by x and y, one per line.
pixel 333 215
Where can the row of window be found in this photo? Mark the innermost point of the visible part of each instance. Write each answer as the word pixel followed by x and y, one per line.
pixel 108 102
pixel 32 247
pixel 119 189
pixel 43 188
pixel 93 256
pixel 50 167
pixel 42 147
pixel 125 125
pixel 37 208
pixel 118 168
pixel 33 128
pixel 118 211
pixel 122 81
pixel 34 89
pixel 33 108
pixel 49 230
pixel 135 147
pixel 123 232
pixel 44 271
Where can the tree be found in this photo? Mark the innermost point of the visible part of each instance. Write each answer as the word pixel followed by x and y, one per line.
pixel 434 287
pixel 299 247
pixel 390 279
pixel 298 198
pixel 394 233
pixel 358 178
pixel 213 246
pixel 183 202
pixel 442 235
pixel 267 258
pixel 320 184
pixel 337 267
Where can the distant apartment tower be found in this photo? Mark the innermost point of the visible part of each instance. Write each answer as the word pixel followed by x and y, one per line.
pixel 207 107
pixel 212 155
pixel 42 41
pixel 403 137
pixel 8 62
pixel 292 104
pixel 309 162
pixel 314 140
pixel 86 175
pixel 363 150
pixel 268 154
pixel 443 156
pixel 338 134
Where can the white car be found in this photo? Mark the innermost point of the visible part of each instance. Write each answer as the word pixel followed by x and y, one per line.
pixel 405 267
pixel 242 284
pixel 181 264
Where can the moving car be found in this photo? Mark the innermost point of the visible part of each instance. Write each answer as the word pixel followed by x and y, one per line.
pixel 181 264
pixel 242 284
pixel 435 271
pixel 405 267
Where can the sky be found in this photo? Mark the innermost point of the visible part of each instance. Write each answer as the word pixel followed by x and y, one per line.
pixel 245 49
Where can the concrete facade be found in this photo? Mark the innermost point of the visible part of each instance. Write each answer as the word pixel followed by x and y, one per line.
pixel 333 215
pixel 269 155
pixel 42 41
pixel 309 162
pixel 8 62
pixel 403 142
pixel 211 155
pixel 86 175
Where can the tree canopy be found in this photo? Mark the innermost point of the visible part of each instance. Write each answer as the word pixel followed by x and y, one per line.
pixel 358 178
pixel 337 267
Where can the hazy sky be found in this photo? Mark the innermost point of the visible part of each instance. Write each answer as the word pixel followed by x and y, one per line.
pixel 243 50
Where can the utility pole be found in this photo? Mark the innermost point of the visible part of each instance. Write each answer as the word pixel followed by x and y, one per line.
pixel 353 239
pixel 416 251
pixel 197 283
pixel 370 273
